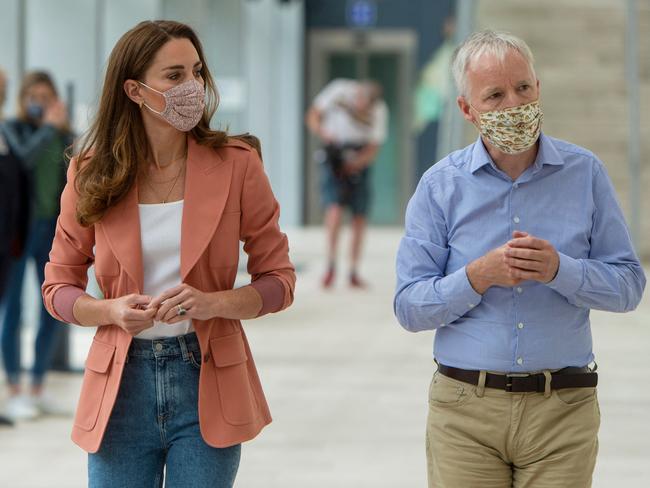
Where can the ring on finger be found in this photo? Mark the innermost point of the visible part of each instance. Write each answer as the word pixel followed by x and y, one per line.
pixel 180 310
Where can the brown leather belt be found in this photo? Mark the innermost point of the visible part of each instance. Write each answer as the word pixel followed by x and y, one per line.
pixel 521 383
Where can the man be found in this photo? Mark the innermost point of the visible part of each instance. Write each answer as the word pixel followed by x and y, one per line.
pixel 509 243
pixel 350 119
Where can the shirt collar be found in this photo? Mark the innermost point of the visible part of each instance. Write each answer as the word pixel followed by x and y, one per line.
pixel 546 154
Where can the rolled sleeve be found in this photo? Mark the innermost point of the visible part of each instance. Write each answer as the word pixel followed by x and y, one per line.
pixel 271 291
pixel 266 245
pixel 64 300
pixel 72 250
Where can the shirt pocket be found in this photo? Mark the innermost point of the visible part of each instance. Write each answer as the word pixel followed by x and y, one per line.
pixel 223 249
pixel 94 383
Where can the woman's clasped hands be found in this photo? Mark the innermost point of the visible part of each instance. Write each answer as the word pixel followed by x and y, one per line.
pixel 135 313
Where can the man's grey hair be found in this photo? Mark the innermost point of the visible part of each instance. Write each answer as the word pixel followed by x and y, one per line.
pixel 497 43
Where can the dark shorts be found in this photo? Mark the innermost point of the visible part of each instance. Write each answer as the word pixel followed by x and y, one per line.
pixel 351 191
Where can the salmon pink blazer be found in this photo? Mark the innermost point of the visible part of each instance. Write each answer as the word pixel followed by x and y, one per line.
pixel 228 199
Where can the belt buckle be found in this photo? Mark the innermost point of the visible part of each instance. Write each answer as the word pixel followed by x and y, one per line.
pixel 514 375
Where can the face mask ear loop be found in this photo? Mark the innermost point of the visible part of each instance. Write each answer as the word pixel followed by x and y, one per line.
pixel 151 110
pixel 153 89
pixel 477 120
pixel 145 104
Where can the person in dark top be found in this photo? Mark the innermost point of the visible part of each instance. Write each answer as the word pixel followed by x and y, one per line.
pixel 38 137
pixel 14 207
pixel 13 210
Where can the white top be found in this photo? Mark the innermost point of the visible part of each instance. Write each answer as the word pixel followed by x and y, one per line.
pixel 337 121
pixel 160 229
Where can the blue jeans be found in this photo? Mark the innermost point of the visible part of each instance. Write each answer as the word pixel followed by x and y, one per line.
pixel 154 426
pixel 39 243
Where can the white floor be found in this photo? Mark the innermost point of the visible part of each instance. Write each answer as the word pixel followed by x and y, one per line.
pixel 347 388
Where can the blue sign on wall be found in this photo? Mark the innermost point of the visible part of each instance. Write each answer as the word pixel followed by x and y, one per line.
pixel 361 13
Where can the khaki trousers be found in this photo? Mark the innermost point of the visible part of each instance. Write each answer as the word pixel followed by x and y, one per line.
pixel 488 438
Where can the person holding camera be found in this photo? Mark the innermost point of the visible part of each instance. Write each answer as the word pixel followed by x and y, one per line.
pixel 350 118
pixel 38 137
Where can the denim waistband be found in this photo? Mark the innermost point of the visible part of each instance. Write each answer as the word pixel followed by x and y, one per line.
pixel 168 347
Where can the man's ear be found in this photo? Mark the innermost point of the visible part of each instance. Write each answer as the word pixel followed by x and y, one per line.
pixel 132 90
pixel 465 109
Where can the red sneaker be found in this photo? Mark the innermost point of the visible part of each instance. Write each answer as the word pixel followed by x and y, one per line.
pixel 356 282
pixel 328 279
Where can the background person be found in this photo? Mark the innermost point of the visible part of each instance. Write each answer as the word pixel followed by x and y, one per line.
pixel 350 118
pixel 13 207
pixel 38 137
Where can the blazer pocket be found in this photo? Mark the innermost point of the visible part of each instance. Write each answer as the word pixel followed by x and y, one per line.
pixel 94 383
pixel 235 393
pixel 224 247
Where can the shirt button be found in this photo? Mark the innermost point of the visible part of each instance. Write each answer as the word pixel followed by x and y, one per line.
pixel 520 361
pixel 470 305
pixel 520 289
pixel 520 325
pixel 516 185
pixel 516 219
pixel 159 347
pixel 442 325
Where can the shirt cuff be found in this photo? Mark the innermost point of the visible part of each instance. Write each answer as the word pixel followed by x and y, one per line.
pixel 457 291
pixel 569 277
pixel 272 292
pixel 63 302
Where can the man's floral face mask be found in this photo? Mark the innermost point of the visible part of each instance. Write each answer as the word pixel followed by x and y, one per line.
pixel 512 130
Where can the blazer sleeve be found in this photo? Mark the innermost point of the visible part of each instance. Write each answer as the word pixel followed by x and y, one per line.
pixel 273 274
pixel 66 272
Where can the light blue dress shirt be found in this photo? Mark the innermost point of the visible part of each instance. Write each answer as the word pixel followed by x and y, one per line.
pixel 463 207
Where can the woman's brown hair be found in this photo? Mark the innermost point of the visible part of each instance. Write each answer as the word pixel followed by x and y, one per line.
pixel 116 146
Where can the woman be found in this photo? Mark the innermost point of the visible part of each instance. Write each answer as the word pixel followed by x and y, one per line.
pixel 170 383
pixel 38 137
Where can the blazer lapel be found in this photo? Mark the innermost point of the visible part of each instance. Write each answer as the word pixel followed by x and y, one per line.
pixel 122 227
pixel 207 184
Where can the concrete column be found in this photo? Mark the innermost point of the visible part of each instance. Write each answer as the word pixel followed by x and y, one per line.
pixel 274 38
